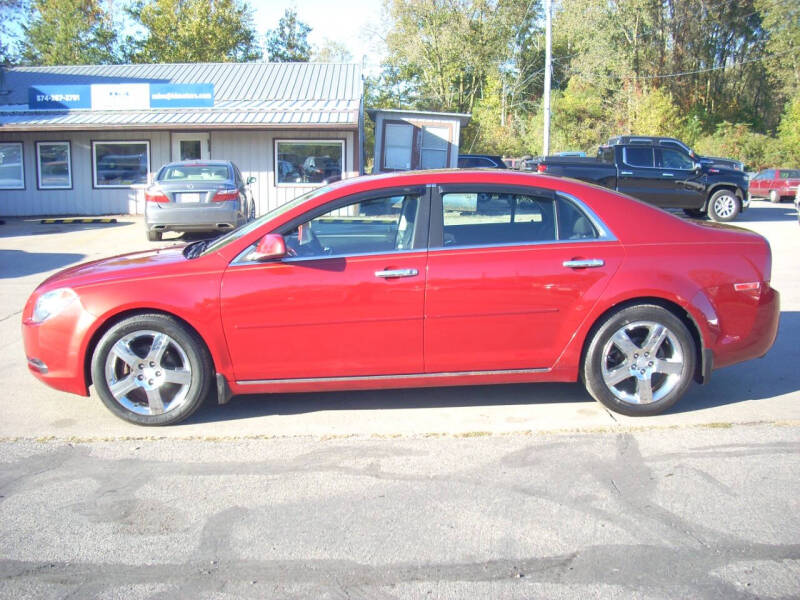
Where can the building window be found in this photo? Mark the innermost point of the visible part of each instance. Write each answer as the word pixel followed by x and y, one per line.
pixel 120 164
pixel 408 145
pixel 12 171
pixel 308 162
pixel 54 165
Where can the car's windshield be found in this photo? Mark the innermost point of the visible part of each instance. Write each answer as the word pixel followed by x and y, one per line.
pixel 237 233
pixel 194 173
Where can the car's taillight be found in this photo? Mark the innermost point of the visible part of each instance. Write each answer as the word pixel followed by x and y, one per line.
pixel 155 195
pixel 225 195
pixel 540 168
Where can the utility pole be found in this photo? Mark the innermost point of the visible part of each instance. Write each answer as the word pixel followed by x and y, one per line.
pixel 548 68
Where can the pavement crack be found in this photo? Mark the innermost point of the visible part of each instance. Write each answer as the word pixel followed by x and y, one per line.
pixel 7 317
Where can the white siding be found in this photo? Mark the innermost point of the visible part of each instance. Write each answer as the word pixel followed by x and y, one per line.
pixel 251 150
pixel 82 199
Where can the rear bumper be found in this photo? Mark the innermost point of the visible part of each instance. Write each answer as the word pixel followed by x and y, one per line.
pixel 749 330
pixel 161 217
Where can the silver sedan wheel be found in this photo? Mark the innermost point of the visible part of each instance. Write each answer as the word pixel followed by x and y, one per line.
pixel 148 373
pixel 725 206
pixel 642 362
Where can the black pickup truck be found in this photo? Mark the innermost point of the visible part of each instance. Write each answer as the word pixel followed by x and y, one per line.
pixel 661 175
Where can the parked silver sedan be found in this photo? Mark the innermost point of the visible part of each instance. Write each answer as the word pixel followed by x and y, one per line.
pixel 197 196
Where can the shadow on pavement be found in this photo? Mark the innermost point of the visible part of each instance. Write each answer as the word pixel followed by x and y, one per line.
pixel 759 212
pixel 14 227
pixel 18 263
pixel 774 375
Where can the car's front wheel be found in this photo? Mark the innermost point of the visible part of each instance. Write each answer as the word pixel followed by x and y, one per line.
pixel 640 361
pixel 724 206
pixel 151 369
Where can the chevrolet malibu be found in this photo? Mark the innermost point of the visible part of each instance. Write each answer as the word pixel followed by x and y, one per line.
pixel 406 280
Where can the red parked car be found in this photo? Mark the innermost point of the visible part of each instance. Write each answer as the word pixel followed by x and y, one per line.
pixel 775 184
pixel 405 280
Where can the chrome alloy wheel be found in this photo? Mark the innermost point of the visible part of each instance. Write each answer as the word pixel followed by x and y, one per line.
pixel 148 373
pixel 642 362
pixel 725 206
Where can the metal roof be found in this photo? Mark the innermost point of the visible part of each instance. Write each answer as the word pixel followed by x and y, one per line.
pixel 245 95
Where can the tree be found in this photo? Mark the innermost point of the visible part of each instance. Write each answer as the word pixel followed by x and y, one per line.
pixel 68 32
pixel 10 15
pixel 332 52
pixel 187 31
pixel 289 41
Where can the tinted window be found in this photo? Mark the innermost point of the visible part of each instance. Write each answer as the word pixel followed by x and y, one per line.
pixel 378 225
pixel 474 219
pixel 673 159
pixel 194 173
pixel 638 156
pixel 573 224
pixel 790 173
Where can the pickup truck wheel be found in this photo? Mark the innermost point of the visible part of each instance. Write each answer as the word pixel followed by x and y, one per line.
pixel 724 206
pixel 774 197
pixel 640 361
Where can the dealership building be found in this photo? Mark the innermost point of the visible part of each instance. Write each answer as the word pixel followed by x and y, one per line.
pixel 85 140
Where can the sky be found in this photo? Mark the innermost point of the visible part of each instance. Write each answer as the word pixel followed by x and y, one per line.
pixel 353 23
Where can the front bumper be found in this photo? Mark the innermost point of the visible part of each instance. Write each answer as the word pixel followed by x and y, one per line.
pixel 54 348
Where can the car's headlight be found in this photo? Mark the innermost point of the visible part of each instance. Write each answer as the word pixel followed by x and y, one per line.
pixel 53 302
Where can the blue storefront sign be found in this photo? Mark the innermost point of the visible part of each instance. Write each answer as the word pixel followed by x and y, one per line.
pixel 181 95
pixel 63 97
pixel 121 96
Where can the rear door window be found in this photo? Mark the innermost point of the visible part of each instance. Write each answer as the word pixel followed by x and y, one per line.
pixel 638 156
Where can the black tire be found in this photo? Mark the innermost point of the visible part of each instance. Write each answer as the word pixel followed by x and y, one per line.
pixel 153 236
pixel 724 205
pixel 180 374
pixel 694 213
pixel 667 372
pixel 774 196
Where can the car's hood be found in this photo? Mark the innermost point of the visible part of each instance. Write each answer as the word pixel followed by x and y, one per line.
pixel 123 266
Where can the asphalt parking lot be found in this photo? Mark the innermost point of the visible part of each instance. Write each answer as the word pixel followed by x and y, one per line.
pixel 760 391
pixel 504 492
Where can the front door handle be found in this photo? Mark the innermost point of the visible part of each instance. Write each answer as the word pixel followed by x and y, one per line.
pixel 668 174
pixel 626 172
pixel 584 263
pixel 390 273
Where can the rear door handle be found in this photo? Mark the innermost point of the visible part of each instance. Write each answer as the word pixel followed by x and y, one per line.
pixel 389 273
pixel 668 174
pixel 626 172
pixel 584 263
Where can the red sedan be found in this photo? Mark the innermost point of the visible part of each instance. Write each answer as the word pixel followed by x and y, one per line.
pixel 775 184
pixel 420 279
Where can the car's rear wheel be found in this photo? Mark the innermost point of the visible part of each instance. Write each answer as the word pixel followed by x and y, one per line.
pixel 774 197
pixel 724 206
pixel 640 361
pixel 153 236
pixel 151 370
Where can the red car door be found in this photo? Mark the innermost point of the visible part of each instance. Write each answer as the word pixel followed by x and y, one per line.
pixel 507 288
pixel 348 304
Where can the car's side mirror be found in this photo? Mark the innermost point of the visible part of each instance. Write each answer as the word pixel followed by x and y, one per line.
pixel 250 180
pixel 269 247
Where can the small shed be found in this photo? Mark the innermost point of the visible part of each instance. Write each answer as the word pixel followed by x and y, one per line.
pixel 408 140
